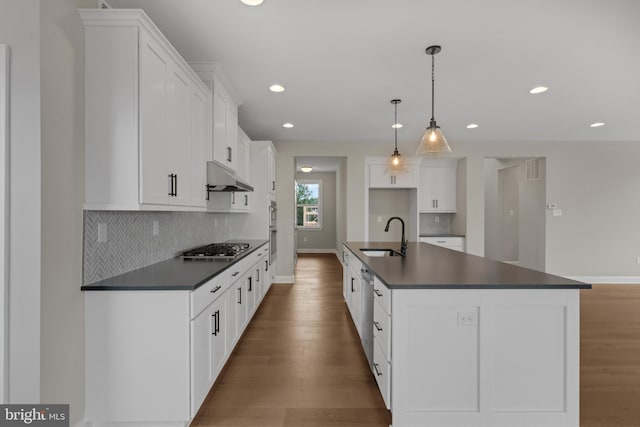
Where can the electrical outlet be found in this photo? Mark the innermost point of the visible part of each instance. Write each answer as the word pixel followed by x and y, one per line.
pixel 156 227
pixel 467 318
pixel 436 219
pixel 304 239
pixel 102 232
pixel 557 212
pixel 379 219
pixel 638 260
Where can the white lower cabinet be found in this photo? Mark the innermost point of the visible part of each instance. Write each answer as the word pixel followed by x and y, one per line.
pixel 456 243
pixel 153 356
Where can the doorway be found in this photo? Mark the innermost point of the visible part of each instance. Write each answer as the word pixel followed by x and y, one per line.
pixel 515 211
pixel 508 202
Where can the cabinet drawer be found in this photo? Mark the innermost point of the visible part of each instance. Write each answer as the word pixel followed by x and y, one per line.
pixel 382 329
pixel 209 292
pixel 382 294
pixel 455 243
pixel 354 263
pixel 382 371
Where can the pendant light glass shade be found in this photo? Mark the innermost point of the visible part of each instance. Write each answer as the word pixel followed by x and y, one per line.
pixel 396 161
pixel 433 141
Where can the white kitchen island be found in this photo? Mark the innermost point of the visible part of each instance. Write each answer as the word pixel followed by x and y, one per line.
pixel 460 340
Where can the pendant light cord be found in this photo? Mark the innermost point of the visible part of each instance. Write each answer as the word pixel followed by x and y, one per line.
pixel 395 124
pixel 433 94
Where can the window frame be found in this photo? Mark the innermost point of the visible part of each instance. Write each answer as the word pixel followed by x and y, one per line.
pixel 320 196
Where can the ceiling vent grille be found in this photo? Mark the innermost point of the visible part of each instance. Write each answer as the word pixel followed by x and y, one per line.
pixel 532 172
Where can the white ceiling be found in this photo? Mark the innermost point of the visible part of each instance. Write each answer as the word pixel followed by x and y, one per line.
pixel 342 61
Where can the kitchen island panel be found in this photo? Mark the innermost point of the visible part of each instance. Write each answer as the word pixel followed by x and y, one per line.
pixel 485 357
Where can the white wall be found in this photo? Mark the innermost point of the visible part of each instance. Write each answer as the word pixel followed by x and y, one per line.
pixel 596 185
pixel 20 30
pixel 62 103
pixel 324 238
pixel 341 204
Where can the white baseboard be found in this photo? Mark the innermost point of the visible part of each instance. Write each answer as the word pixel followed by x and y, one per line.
pixel 284 279
pixel 317 251
pixel 612 280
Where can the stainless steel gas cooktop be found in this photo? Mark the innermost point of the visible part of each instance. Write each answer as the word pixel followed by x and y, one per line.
pixel 216 251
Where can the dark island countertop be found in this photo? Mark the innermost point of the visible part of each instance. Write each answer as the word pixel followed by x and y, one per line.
pixel 433 267
pixel 174 274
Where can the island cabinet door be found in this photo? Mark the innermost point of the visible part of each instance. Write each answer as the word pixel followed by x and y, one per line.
pixel 490 358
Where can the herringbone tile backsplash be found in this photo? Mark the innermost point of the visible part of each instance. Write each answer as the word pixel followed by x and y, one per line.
pixel 131 244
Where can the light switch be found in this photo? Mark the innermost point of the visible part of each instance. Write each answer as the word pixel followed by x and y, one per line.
pixel 156 227
pixel 379 219
pixel 557 212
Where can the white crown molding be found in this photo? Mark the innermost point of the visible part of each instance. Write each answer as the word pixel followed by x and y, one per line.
pixel 215 68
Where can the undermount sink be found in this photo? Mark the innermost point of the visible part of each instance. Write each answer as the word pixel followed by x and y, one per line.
pixel 375 252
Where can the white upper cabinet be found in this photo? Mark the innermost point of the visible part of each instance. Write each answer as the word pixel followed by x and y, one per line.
pixel 145 122
pixel 271 171
pixel 223 147
pixel 378 177
pixel 438 186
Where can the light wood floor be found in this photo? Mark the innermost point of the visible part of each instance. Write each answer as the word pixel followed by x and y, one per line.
pixel 610 356
pixel 300 362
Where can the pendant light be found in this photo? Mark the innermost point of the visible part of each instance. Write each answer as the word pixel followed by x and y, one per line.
pixel 433 141
pixel 396 161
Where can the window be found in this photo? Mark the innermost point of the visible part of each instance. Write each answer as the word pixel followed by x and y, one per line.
pixel 308 204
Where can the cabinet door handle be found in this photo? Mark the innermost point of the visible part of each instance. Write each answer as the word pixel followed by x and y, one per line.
pixel 436 203
pixel 228 154
pixel 239 295
pixel 257 275
pixel 214 317
pixel 235 274
pixel 175 186
pixel 246 200
pixel 250 281
pixel 273 185
pixel 216 289
pixel 352 279
pixel 217 321
pixel 266 265
pixel 377 292
pixel 377 325
pixel 375 366
pixel 233 198
pixel 170 184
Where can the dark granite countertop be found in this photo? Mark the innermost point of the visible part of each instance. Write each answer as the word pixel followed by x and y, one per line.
pixel 174 274
pixel 432 267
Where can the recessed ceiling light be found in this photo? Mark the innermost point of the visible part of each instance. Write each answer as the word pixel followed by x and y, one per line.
pixel 472 125
pixel 276 88
pixel 252 2
pixel 538 89
pixel 287 125
pixel 596 124
pixel 306 169
pixel 396 126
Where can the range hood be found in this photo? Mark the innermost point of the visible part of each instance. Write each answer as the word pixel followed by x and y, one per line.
pixel 220 178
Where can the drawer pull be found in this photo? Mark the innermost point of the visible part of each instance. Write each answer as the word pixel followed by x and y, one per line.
pixel 377 325
pixel 216 289
pixel 375 366
pixel 235 274
pixel 377 292
pixel 352 290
